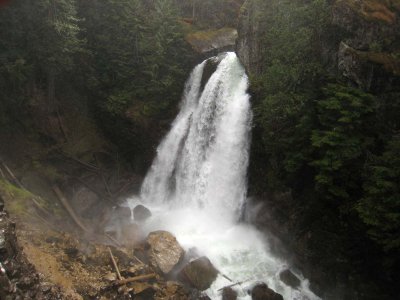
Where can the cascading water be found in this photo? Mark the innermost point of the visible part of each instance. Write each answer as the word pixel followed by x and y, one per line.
pixel 196 186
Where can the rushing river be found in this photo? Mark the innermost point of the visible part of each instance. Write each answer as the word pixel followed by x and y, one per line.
pixel 196 187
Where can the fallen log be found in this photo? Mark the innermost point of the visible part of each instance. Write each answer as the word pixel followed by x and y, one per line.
pixel 114 264
pixel 13 177
pixel 234 284
pixel 136 278
pixel 69 209
pixel 226 277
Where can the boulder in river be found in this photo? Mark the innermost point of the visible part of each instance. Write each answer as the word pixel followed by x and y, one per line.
pixel 229 294
pixel 163 250
pixel 199 273
pixel 263 292
pixel 288 278
pixel 141 213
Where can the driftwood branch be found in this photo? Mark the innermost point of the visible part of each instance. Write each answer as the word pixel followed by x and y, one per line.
pixel 69 209
pixel 112 239
pixel 138 260
pixel 231 285
pixel 125 187
pixel 2 174
pixel 226 277
pixel 107 188
pixel 115 264
pixel 87 165
pixel 136 278
pixel 13 177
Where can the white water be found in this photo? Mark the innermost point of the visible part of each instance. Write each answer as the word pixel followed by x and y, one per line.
pixel 197 186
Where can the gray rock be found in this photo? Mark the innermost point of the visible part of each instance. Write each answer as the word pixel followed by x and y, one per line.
pixel 199 273
pixel 288 278
pixel 263 292
pixel 164 251
pixel 215 40
pixel 229 294
pixel 354 68
pixel 141 213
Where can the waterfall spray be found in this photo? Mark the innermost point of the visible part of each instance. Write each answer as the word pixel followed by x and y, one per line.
pixel 196 186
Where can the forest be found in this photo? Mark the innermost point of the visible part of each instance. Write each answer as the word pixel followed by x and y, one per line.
pixel 99 83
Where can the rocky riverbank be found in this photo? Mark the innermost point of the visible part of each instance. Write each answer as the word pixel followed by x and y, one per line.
pixel 41 261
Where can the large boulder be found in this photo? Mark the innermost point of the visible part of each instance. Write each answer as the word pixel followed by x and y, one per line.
pixel 288 278
pixel 141 213
pixel 199 273
pixel 263 292
pixel 229 294
pixel 163 251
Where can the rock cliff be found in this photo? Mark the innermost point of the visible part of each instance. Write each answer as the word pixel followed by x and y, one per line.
pixel 360 48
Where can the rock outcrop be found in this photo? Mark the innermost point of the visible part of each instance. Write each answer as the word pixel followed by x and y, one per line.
pixel 163 251
pixel 263 292
pixel 367 56
pixel 289 279
pixel 248 43
pixel 213 41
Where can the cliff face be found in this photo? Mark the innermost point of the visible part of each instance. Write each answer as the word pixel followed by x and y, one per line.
pixel 359 48
pixel 369 55
pixel 247 44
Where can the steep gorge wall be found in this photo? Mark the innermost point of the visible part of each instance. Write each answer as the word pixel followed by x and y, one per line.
pixel 362 52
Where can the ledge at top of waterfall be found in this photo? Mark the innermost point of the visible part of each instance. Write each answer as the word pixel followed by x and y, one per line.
pixel 202 162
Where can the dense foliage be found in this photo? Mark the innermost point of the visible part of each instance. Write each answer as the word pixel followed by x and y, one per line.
pixel 127 60
pixel 333 145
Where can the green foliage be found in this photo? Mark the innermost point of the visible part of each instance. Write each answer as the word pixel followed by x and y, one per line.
pixel 335 148
pixel 138 51
pixel 344 133
pixel 36 49
pixel 380 206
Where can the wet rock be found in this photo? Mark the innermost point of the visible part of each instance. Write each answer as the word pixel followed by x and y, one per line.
pixel 229 294
pixel 288 278
pixel 141 213
pixel 199 273
pixel 263 292
pixel 163 251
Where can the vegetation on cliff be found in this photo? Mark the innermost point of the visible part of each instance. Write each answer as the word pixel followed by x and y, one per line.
pixel 331 143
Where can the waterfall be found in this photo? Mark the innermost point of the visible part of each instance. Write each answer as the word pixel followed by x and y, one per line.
pixel 203 159
pixel 196 186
